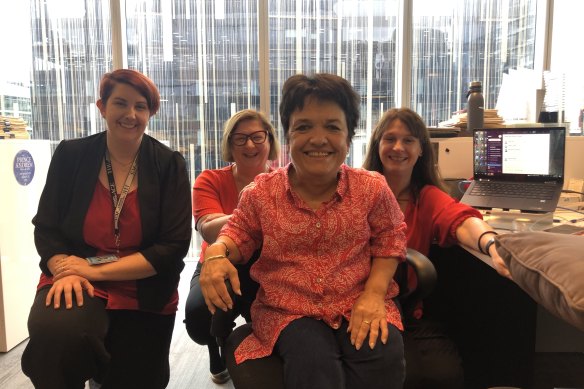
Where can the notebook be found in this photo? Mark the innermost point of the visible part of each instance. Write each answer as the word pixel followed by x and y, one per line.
pixel 517 168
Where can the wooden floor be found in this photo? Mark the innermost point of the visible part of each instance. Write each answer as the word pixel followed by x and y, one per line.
pixel 189 362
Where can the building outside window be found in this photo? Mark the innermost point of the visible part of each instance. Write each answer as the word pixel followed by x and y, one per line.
pixel 211 58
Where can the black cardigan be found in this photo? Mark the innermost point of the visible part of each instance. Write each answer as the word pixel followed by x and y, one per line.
pixel 164 196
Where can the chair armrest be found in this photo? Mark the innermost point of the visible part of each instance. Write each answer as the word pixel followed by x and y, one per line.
pixel 426 281
pixel 425 272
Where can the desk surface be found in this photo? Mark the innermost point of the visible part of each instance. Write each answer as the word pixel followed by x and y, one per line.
pixel 510 222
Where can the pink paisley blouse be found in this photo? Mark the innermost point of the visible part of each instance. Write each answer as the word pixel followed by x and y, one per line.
pixel 313 263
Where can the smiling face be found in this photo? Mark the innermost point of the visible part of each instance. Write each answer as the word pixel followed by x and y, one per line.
pixel 126 113
pixel 399 150
pixel 318 140
pixel 250 155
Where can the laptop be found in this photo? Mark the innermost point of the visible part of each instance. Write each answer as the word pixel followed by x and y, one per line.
pixel 517 169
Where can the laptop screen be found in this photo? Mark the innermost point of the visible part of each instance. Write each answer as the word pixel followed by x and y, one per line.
pixel 525 154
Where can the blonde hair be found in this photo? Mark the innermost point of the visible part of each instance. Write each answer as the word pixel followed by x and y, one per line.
pixel 231 125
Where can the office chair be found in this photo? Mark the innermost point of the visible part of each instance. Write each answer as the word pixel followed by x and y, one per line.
pixel 268 372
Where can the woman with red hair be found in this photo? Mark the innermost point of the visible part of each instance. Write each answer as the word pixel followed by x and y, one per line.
pixel 112 228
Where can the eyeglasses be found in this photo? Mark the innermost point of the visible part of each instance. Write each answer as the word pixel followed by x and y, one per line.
pixel 257 138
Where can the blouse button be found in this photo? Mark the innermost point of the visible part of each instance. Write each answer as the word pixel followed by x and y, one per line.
pixel 319 280
pixel 317 224
pixel 336 326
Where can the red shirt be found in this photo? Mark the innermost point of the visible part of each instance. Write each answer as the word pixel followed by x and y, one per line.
pixel 214 191
pixel 313 263
pixel 98 232
pixel 435 218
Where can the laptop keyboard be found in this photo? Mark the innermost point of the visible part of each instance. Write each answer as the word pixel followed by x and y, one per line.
pixel 512 189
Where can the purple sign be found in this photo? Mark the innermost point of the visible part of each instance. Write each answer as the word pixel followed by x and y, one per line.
pixel 23 167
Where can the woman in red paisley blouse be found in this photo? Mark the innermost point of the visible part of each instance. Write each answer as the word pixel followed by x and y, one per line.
pixel 331 238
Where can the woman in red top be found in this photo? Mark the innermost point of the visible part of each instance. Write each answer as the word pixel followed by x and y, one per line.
pixel 331 238
pixel 400 149
pixel 123 195
pixel 249 140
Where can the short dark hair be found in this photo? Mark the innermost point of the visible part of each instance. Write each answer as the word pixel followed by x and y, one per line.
pixel 324 87
pixel 135 79
pixel 425 171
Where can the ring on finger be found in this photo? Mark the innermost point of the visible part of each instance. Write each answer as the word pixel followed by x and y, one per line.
pixel 367 322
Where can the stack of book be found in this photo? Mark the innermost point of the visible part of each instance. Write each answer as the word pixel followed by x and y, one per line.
pixel 13 128
pixel 492 120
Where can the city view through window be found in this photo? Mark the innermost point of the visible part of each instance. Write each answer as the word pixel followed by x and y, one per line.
pixel 211 58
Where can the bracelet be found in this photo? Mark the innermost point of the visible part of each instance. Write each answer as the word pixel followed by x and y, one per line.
pixel 227 252
pixel 213 257
pixel 489 244
pixel 481 236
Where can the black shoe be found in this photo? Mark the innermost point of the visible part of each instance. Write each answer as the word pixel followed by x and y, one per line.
pixel 220 378
pixel 219 373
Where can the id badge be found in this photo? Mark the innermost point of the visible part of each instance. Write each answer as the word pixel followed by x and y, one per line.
pixel 102 259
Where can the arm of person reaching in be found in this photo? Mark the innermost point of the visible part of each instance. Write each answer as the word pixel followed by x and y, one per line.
pixel 475 234
pixel 368 315
pixel 218 267
pixel 209 225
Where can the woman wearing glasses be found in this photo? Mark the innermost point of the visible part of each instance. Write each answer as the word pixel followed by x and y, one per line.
pixel 249 140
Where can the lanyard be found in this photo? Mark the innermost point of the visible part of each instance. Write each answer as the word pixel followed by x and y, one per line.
pixel 119 202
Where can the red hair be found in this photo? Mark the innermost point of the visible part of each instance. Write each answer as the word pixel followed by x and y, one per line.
pixel 135 79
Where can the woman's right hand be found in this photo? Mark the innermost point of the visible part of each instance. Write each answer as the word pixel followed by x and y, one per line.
pixel 67 286
pixel 212 280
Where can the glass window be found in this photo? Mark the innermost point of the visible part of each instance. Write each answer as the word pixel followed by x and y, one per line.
pixel 353 39
pixel 567 58
pixel 459 41
pixel 71 49
pixel 203 55
pixel 16 62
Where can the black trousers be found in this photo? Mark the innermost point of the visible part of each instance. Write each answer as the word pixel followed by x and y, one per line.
pixel 118 348
pixel 197 315
pixel 432 359
pixel 309 354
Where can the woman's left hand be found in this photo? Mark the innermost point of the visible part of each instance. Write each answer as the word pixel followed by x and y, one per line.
pixel 368 317
pixel 73 266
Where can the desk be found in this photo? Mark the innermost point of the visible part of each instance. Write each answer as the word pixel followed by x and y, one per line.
pixel 496 325
pixel 552 333
pixel 491 320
